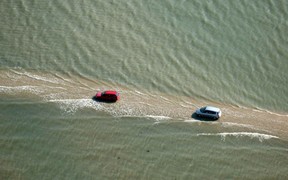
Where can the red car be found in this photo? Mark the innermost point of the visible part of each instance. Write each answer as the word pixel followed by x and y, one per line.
pixel 107 96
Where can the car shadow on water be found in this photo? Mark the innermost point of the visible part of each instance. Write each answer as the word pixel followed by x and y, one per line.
pixel 102 101
pixel 194 116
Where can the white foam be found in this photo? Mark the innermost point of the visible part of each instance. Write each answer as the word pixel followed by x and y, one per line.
pixel 72 105
pixel 14 89
pixel 230 124
pixel 36 77
pixel 138 92
pixel 223 135
pixel 158 118
pixel 41 78
pixel 162 97
pixel 123 110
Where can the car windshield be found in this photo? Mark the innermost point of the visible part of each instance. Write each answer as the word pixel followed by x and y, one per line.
pixel 203 109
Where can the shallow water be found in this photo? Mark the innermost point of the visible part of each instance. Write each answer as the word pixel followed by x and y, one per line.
pixel 39 141
pixel 166 59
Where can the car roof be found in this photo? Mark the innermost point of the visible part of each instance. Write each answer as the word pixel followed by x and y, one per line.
pixel 110 92
pixel 211 108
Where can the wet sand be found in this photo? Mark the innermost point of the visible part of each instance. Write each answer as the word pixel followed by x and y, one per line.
pixel 78 92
